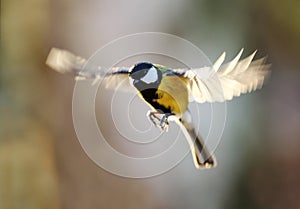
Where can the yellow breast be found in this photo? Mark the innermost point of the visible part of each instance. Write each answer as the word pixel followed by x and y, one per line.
pixel 173 93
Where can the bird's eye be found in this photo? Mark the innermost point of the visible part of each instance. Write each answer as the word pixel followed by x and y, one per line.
pixel 140 70
pixel 138 74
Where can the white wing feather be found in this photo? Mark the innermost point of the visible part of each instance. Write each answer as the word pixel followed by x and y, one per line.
pixel 223 82
pixel 65 62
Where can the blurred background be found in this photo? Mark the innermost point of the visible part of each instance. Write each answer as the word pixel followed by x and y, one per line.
pixel 42 164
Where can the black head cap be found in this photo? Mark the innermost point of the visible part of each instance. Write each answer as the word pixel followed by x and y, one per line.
pixel 140 70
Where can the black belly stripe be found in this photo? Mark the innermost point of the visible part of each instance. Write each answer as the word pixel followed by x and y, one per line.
pixel 150 96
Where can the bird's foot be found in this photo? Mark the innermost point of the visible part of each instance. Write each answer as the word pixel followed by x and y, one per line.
pixel 161 123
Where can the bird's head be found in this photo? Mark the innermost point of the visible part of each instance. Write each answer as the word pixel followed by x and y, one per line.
pixel 145 73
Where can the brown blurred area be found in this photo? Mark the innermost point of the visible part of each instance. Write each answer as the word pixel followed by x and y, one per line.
pixel 42 164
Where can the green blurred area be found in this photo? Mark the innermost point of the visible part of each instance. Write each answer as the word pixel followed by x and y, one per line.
pixel 42 164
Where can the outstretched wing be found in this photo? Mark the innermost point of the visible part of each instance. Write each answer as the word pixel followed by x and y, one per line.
pixel 65 62
pixel 223 82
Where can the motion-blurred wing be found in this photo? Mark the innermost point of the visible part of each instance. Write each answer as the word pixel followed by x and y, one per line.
pixel 65 62
pixel 222 82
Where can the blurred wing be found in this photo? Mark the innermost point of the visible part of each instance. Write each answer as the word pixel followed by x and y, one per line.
pixel 65 62
pixel 222 82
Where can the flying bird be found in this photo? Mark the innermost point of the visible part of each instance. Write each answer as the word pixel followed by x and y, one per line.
pixel 168 91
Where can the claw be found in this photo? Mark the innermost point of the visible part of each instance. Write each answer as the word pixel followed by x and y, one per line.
pixel 154 118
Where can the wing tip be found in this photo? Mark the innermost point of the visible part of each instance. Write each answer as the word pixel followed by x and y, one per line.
pixel 219 61
pixel 53 57
pixel 59 60
pixel 253 53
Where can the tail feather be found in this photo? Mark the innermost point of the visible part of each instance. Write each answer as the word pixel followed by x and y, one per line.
pixel 201 156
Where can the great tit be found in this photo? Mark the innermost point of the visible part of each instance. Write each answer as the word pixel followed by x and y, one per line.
pixel 168 91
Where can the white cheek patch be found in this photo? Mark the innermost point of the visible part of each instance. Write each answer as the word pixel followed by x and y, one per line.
pixel 151 76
